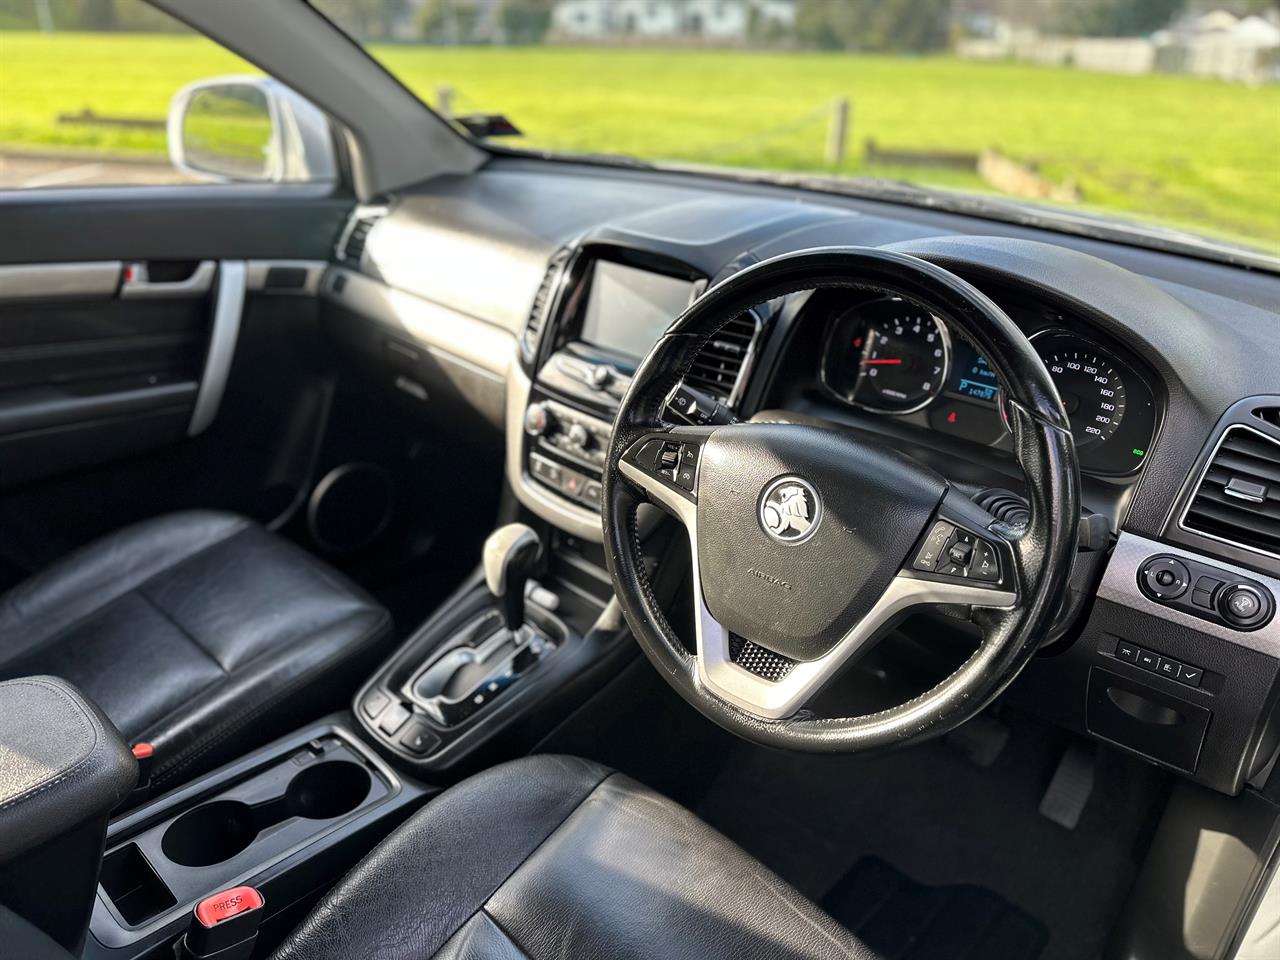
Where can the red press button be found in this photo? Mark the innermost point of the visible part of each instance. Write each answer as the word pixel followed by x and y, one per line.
pixel 143 750
pixel 229 903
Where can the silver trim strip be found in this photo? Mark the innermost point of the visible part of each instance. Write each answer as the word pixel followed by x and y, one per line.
pixel 1120 585
pixel 222 344
pixel 1204 472
pixel 28 281
pixel 775 700
pixel 572 519
pixel 258 270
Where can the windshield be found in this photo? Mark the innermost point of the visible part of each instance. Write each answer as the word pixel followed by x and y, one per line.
pixel 1161 111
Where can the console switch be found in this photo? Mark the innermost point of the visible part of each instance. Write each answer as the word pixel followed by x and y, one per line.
pixel 1216 596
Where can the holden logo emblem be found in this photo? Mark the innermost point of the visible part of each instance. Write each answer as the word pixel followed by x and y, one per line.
pixel 790 510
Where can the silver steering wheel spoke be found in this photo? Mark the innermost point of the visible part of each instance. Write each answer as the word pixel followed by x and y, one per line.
pixel 772 686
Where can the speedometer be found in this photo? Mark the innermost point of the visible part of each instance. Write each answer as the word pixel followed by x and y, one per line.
pixel 1088 382
pixel 890 356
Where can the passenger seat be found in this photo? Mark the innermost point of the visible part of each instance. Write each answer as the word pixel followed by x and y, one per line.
pixel 198 632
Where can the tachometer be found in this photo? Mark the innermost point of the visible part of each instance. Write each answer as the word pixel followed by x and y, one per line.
pixel 889 356
pixel 1089 383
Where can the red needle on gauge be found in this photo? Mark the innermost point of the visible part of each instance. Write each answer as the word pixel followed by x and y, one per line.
pixel 881 363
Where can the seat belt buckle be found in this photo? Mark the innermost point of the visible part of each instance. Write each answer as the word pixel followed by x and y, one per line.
pixel 144 753
pixel 224 926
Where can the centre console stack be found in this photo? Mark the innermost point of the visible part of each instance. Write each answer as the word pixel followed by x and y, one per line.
pixel 600 308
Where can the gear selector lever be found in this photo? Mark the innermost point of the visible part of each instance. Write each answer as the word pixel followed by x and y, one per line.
pixel 511 555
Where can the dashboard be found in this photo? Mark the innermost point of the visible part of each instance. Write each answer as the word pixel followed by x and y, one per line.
pixel 515 305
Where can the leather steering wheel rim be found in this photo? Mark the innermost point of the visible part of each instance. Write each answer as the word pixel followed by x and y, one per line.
pixel 1038 556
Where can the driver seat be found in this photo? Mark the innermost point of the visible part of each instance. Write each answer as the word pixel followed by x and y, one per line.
pixel 556 857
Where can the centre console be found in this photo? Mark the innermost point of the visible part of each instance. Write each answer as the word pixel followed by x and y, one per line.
pixel 600 309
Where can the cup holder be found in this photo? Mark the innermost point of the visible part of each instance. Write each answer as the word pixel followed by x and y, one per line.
pixel 210 833
pixel 327 790
pixel 217 831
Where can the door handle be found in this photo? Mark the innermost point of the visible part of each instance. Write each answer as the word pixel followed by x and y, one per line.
pixel 137 285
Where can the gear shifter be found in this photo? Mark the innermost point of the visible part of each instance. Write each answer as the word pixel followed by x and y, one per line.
pixel 511 556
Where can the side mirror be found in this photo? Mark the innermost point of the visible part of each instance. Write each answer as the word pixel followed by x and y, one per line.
pixel 249 129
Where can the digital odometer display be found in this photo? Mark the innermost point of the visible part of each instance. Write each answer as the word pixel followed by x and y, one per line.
pixel 1088 383
pixel 971 375
pixel 890 356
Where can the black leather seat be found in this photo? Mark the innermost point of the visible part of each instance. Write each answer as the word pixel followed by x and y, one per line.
pixel 554 857
pixel 196 631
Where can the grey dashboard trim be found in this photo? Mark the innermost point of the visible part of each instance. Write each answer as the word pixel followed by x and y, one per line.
pixel 26 281
pixel 222 344
pixel 577 521
pixel 481 346
pixel 256 276
pixel 1120 585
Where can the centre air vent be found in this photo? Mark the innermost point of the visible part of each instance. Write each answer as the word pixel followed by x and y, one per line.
pixel 1238 499
pixel 355 234
pixel 1269 415
pixel 543 300
pixel 718 369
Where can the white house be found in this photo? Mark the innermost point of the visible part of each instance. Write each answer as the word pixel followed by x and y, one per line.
pixel 717 21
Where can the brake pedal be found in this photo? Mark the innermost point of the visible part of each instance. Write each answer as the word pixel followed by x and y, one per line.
pixel 981 740
pixel 1072 784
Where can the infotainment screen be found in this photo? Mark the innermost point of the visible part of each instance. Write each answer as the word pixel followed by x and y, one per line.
pixel 628 308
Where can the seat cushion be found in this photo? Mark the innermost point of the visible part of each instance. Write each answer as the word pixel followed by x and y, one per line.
pixel 553 857
pixel 195 631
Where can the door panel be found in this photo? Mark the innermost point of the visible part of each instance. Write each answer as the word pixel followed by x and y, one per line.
pixel 155 347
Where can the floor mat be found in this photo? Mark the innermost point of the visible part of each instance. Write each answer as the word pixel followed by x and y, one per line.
pixel 944 820
pixel 903 920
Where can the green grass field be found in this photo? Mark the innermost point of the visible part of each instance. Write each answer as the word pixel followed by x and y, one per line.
pixel 1192 152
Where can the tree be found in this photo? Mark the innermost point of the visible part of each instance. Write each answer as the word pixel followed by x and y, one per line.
pixel 525 21
pixel 1117 18
pixel 874 25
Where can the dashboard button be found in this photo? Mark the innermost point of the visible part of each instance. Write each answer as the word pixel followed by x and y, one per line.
pixel 1127 652
pixel 1191 676
pixel 1148 660
pixel 1165 578
pixel 927 558
pixel 419 739
pixel 1242 605
pixel 1170 668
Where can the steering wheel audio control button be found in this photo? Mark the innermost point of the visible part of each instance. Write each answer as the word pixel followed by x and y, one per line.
pixel 934 544
pixel 985 564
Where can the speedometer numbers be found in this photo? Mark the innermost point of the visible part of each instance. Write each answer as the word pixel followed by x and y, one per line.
pixel 889 356
pixel 1090 387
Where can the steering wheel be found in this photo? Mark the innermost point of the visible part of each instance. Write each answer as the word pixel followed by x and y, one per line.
pixel 807 543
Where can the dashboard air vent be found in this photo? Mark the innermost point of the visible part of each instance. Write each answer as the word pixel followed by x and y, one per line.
pixel 351 244
pixel 1238 499
pixel 1269 415
pixel 542 302
pixel 718 369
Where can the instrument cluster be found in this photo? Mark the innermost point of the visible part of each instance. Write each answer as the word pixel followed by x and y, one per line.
pixel 891 356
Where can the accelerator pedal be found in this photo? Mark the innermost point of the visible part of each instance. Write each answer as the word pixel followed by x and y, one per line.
pixel 1072 784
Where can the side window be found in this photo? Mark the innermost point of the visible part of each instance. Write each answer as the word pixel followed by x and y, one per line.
pixel 116 92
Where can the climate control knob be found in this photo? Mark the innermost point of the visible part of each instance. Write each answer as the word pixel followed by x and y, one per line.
pixel 536 419
pixel 580 436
